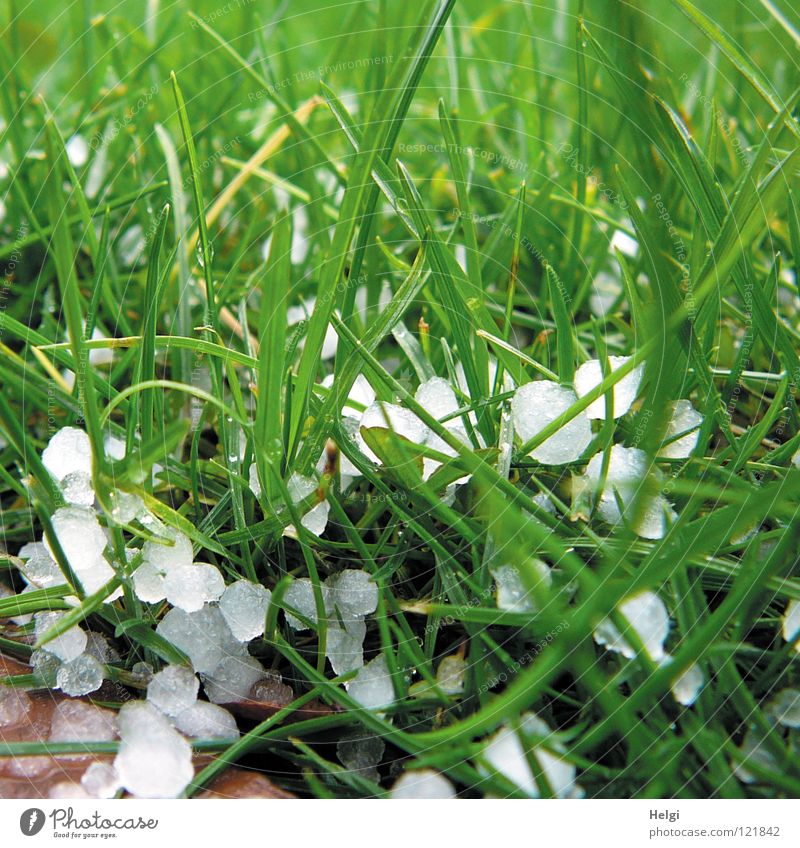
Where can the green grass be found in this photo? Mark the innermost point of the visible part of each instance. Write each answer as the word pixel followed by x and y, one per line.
pixel 519 138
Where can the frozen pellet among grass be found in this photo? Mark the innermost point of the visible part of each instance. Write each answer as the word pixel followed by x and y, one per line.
pixel 344 646
pixel 100 780
pixel 207 721
pixel 67 646
pixel 189 587
pixel 315 520
pixel 149 579
pixel 233 679
pixel 173 690
pixel 361 396
pixel 390 416
pixel 686 687
pixel 422 784
pixel 68 451
pixel 537 404
pixel 784 708
pixel 154 760
pixel 790 626
pixel 372 687
pixel 506 754
pixel 78 721
pixel 353 592
pixel 204 636
pixel 244 607
pixel 625 476
pixel 647 615
pixel 361 752
pixel 300 596
pixel 624 392
pixel 682 433
pixel 511 590
pixel 450 674
pixel 15 705
pixel 80 676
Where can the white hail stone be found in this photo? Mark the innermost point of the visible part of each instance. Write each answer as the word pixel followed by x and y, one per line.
pixel 80 535
pixel 204 636
pixel 154 760
pixel 189 587
pixel 15 706
pixel 344 647
pixel 590 375
pixel 685 419
pixel 173 690
pixel 353 592
pixel 627 470
pixel 80 676
pixel 791 624
pixel 77 151
pixel 422 784
pixel 436 396
pixel 450 675
pixel 506 754
pixel 101 780
pixel 537 404
pixel 784 708
pixel 372 687
pixel 207 721
pixel 361 393
pixel 40 569
pixel 244 606
pixel 512 592
pixel 686 687
pixel 300 595
pixel 315 520
pixel 361 752
pixel 78 721
pixel 647 615
pixel 754 751
pixel 625 244
pixel 67 646
pixel 77 488
pixel 68 451
pixel 233 679
pixel 389 416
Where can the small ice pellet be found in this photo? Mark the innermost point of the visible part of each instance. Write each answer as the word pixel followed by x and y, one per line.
pixel 436 396
pixel 648 616
pixel 154 760
pixel 204 636
pixel 45 665
pixel 69 450
pixel 189 587
pixel 791 624
pixel 685 419
pixel 272 689
pixel 372 687
pixel 354 592
pixel 450 675
pixel 78 721
pixel 80 676
pixel 41 570
pixel 361 752
pixel 244 606
pixel 77 151
pixel 754 751
pixel 300 595
pixel 422 784
pixel 344 648
pixel 392 417
pixel 173 690
pixel 686 687
pixel 625 244
pixel 77 488
pixel 233 679
pixel 15 705
pixel 101 781
pixel 207 721
pixel 590 375
pixel 784 708
pixel 512 593
pixel 315 520
pixel 176 552
pixel 67 646
pixel 149 584
pixel 535 406
pixel 80 535
pixel 505 754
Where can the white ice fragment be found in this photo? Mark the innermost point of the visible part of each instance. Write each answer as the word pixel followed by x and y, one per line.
pixel 389 416
pixel 173 690
pixel 791 624
pixel 154 760
pixel 101 780
pixel 625 244
pixel 127 507
pixel 450 674
pixel 177 552
pixel 361 752
pixel 40 569
pixel 627 469
pixel 512 592
pixel 253 481
pixel 77 151
pixel 685 420
pixel 15 706
pixel 354 592
pixel 80 676
pixel 189 587
pixel 590 375
pixel 300 595
pixel 344 646
pixel 149 584
pixel 45 665
pixel 67 646
pixel 114 447
pixel 204 636
pixel 422 784
pixel 686 687
pixel 436 396
pixel 233 679
pixel 372 687
pixel 98 647
pixel 80 535
pixel 77 488
pixel 207 721
pixel 78 721
pixel 784 708
pixel 361 395
pixel 69 450
pixel 537 404
pixel 647 615
pixel 506 754
pixel 67 790
pixel 244 606
pixel 315 520
pixel 754 751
